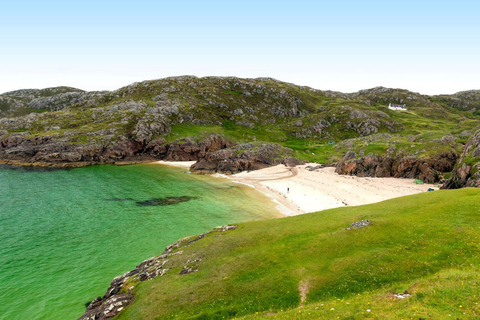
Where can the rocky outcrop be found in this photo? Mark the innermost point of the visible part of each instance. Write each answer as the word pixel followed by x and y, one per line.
pixel 120 293
pixel 214 153
pixel 58 151
pixel 427 170
pixel 464 100
pixel 187 149
pixel 331 122
pixel 246 156
pixel 37 100
pixel 467 171
pixel 358 225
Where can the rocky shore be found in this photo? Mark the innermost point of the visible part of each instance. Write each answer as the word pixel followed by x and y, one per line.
pixel 55 152
pixel 121 291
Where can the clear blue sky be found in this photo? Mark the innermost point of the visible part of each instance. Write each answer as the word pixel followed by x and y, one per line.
pixel 425 46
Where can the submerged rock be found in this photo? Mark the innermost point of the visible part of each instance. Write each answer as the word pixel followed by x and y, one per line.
pixel 167 201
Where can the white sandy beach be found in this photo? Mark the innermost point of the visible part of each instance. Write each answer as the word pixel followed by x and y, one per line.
pixel 298 190
pixel 180 164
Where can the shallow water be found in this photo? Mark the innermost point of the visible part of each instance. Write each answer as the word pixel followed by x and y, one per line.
pixel 65 234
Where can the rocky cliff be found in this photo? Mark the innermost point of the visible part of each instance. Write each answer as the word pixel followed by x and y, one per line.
pixel 467 170
pixel 56 151
pixel 429 170
pixel 245 156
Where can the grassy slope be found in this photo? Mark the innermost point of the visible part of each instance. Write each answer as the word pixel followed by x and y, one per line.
pixel 427 244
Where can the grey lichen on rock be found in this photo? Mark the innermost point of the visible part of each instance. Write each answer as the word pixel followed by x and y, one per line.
pixel 358 224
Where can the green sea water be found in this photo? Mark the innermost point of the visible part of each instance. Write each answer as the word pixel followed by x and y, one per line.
pixel 64 235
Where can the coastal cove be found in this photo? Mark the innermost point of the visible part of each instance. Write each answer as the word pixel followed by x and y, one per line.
pixel 65 234
pixel 314 187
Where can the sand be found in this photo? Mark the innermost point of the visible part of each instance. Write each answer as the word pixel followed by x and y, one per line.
pixel 298 190
pixel 180 164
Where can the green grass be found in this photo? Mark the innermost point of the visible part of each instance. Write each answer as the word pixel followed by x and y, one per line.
pixel 427 244
pixel 232 92
pixel 17 130
pixel 449 294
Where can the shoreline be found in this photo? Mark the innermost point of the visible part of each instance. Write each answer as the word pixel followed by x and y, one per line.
pixel 310 187
pixel 178 164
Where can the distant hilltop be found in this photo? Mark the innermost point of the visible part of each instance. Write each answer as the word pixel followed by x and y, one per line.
pixel 24 101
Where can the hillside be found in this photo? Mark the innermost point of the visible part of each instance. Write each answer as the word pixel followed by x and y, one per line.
pixel 22 102
pixel 186 118
pixel 464 100
pixel 417 257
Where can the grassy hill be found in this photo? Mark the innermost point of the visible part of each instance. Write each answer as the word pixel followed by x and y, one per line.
pixel 318 125
pixel 309 266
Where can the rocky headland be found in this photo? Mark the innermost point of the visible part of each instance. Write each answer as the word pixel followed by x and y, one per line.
pixel 120 293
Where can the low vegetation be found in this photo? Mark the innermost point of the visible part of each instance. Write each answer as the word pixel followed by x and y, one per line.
pixel 315 266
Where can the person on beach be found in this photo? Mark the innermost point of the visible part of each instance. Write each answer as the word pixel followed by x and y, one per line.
pixel 288 189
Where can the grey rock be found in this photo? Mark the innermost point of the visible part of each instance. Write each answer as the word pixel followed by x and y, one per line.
pixel 358 224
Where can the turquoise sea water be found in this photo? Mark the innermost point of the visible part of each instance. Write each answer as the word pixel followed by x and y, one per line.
pixel 63 238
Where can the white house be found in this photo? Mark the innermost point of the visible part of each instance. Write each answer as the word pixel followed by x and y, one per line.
pixel 401 107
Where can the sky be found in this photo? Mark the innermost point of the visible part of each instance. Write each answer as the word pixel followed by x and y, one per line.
pixel 430 47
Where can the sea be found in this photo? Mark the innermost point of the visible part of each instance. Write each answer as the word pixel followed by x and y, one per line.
pixel 65 234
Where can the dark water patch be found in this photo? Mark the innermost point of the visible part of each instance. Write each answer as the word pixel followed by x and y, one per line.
pixel 119 199
pixel 167 201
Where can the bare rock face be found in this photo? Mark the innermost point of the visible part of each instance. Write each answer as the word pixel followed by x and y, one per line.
pixel 55 151
pixel 214 153
pixel 467 171
pixel 427 170
pixel 243 157
pixel 59 151
pixel 188 150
